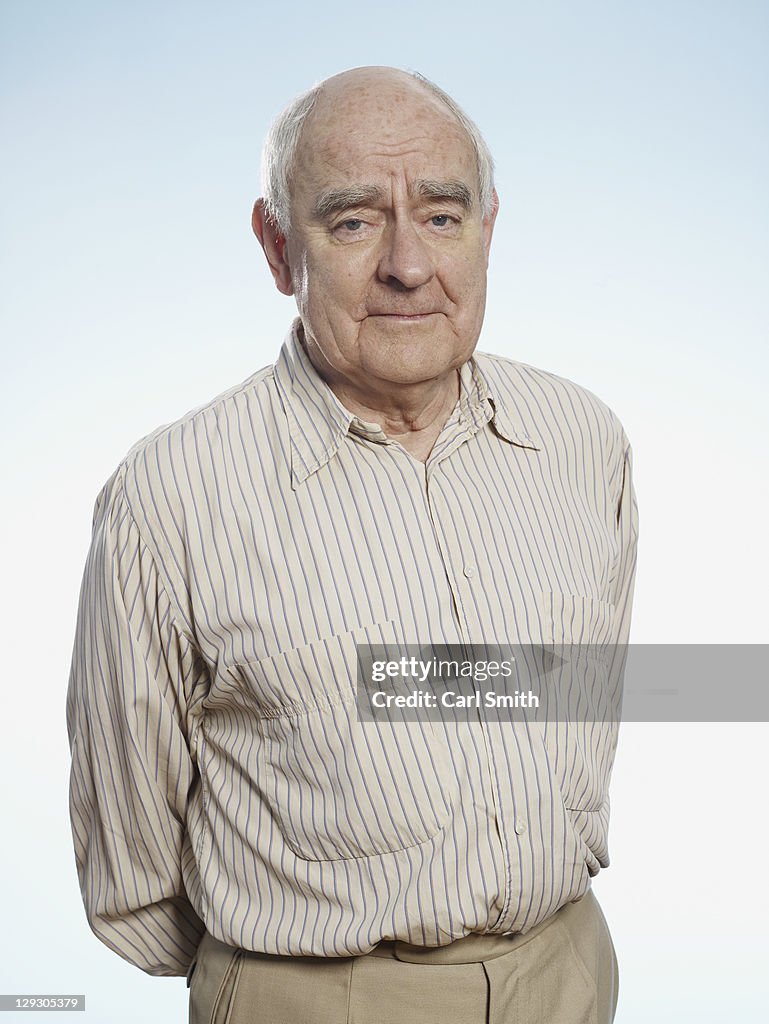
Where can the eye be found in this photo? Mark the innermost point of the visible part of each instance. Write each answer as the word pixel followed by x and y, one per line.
pixel 440 220
pixel 353 224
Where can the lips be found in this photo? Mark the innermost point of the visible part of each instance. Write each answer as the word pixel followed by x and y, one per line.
pixel 406 315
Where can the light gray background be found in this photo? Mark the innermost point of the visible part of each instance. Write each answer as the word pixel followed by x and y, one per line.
pixel 630 255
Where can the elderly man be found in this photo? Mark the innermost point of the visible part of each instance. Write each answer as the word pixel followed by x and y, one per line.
pixel 234 819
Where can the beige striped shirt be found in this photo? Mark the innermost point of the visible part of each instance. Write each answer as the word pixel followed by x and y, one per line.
pixel 237 558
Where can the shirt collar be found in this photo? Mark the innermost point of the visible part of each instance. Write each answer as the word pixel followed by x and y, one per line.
pixel 318 422
pixel 505 416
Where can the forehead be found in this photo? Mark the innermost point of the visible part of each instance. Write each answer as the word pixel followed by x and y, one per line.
pixel 369 134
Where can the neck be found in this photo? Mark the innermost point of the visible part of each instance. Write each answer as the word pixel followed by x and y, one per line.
pixel 414 417
pixel 412 414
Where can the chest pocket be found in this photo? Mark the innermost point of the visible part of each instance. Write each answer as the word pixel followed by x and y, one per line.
pixel 581 725
pixel 339 788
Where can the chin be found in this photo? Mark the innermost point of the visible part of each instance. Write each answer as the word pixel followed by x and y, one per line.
pixel 414 371
pixel 409 363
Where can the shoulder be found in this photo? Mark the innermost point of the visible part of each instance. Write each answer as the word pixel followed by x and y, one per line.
pixel 162 471
pixel 207 419
pixel 557 410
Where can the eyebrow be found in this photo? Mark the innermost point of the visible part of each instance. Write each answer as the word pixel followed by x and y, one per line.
pixel 446 191
pixel 337 199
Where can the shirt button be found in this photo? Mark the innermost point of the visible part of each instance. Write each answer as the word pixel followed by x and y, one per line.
pixel 520 826
pixel 469 571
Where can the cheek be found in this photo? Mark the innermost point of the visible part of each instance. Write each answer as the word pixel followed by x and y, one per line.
pixel 466 285
pixel 335 285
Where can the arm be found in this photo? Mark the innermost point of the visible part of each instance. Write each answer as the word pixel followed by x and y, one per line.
pixel 623 580
pixel 627 536
pixel 133 671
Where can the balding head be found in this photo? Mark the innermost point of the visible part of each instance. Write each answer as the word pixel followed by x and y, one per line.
pixel 339 103
pixel 388 241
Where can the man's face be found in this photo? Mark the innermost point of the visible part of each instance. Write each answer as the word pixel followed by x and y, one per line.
pixel 387 252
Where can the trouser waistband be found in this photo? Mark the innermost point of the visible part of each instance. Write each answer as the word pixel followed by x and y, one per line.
pixel 476 947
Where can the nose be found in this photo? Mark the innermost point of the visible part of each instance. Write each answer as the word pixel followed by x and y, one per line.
pixel 406 261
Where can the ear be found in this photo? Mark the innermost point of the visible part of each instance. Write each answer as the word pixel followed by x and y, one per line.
pixel 488 223
pixel 274 245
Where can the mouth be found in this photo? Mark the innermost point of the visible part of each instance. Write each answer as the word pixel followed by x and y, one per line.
pixel 406 318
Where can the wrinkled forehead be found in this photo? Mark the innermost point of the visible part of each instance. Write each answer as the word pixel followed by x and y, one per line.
pixel 360 136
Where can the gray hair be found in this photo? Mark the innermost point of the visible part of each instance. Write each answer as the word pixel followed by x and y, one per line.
pixel 283 138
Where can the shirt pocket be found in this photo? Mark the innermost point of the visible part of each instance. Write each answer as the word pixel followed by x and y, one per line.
pixel 339 788
pixel 581 720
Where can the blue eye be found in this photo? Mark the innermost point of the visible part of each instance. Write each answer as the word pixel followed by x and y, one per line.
pixel 352 225
pixel 443 218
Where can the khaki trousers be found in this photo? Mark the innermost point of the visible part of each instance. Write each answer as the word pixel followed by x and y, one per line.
pixel 563 971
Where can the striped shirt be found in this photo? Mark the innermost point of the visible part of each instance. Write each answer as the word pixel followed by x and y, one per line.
pixel 221 777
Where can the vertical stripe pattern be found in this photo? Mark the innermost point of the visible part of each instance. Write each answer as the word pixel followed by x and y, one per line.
pixel 220 775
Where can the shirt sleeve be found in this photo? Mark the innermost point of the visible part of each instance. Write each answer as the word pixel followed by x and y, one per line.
pixel 625 512
pixel 133 670
pixel 626 515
